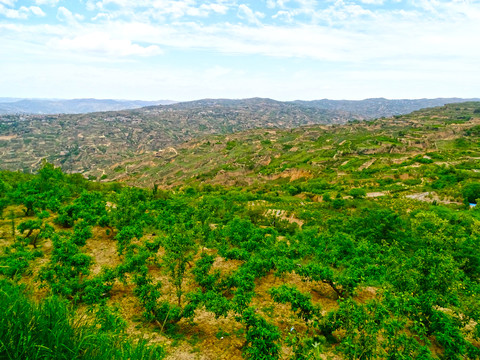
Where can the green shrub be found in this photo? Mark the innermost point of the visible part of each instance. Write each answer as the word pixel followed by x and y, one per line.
pixel 471 192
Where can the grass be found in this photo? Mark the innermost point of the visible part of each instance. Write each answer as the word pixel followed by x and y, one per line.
pixel 50 330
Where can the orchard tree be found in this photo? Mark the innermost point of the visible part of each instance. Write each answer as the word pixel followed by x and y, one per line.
pixel 261 337
pixel 180 249
pixel 4 189
pixel 36 229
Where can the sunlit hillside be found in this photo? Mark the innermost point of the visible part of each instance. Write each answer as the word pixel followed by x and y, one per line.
pixel 355 241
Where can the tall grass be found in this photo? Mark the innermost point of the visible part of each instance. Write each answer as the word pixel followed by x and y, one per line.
pixel 48 330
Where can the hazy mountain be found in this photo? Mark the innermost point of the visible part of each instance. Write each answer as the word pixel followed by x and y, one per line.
pixel 380 107
pixel 8 99
pixel 368 108
pixel 74 106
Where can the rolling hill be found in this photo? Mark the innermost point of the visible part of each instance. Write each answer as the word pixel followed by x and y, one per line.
pixel 90 142
pixel 366 152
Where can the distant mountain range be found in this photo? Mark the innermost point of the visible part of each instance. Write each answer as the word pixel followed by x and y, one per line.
pixel 366 109
pixel 380 107
pixel 74 106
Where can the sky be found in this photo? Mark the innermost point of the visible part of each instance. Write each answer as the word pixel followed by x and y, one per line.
pixel 281 49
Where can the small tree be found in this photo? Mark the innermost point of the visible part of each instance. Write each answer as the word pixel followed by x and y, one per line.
pixel 36 229
pixel 179 251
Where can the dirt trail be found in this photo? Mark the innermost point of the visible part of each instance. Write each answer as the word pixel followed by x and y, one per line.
pixel 431 197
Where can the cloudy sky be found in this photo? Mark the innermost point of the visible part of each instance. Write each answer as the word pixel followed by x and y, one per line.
pixel 282 49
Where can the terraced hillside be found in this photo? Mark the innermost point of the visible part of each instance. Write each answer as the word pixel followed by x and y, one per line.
pixel 90 143
pixel 395 154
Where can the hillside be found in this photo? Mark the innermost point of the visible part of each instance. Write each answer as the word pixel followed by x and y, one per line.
pixel 90 143
pixel 393 154
pixel 320 242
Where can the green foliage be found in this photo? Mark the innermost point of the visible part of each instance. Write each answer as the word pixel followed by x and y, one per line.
pixel 130 208
pixel 474 130
pixel 36 229
pixel 300 303
pixel 179 251
pixel 201 271
pixel 471 192
pixel 230 145
pixel 109 318
pixel 125 236
pixel 66 273
pixel 357 193
pixel 48 329
pixel 261 337
pixel 15 259
pixel 4 201
pixel 148 293
pixel 90 206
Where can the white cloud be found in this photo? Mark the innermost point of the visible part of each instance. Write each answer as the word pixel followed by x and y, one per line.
pixel 373 2
pixel 46 2
pixel 103 15
pixel 101 44
pixel 63 14
pixel 22 13
pixel 286 16
pixel 271 4
pixel 217 8
pixel 8 2
pixel 36 11
pixel 159 8
pixel 244 12
pixel 345 15
pixel 282 3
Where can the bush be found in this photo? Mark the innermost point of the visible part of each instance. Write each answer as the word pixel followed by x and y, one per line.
pixel 358 193
pixel 471 192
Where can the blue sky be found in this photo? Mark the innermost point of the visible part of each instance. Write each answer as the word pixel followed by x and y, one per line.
pixel 282 49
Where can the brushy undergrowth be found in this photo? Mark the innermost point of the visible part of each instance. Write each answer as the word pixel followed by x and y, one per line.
pixel 49 330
